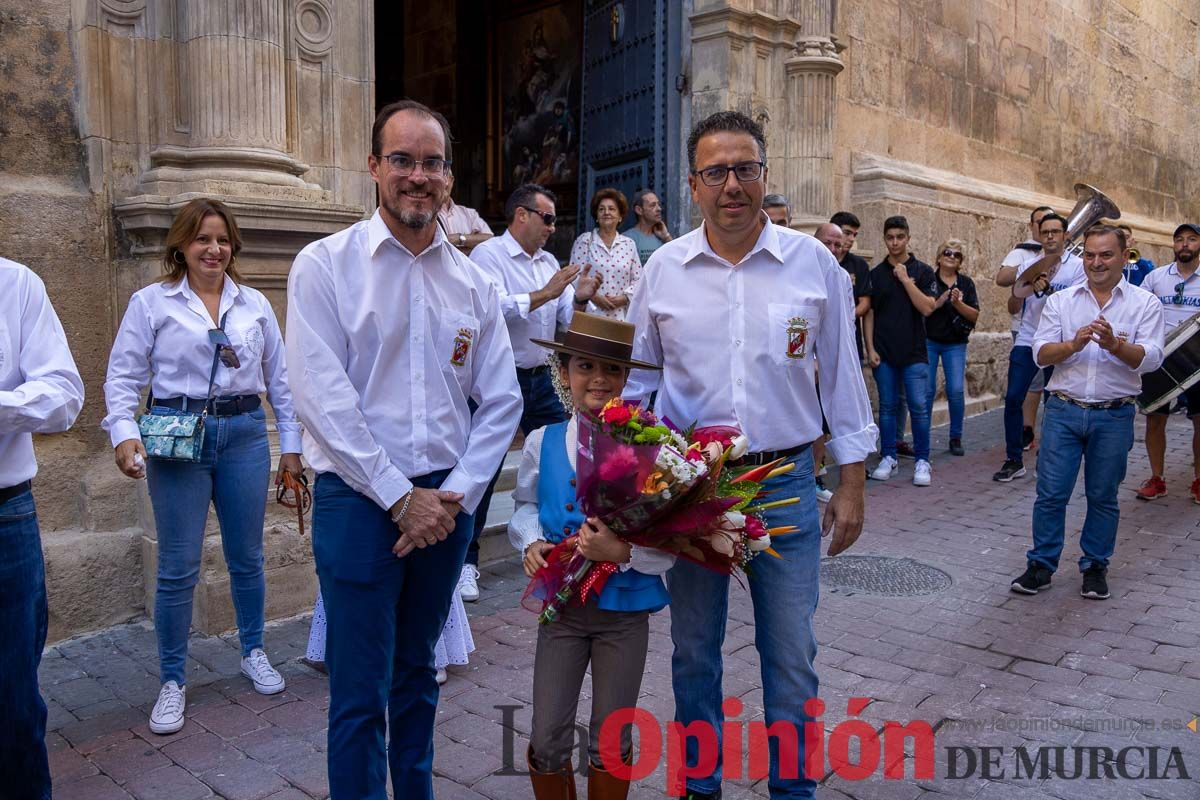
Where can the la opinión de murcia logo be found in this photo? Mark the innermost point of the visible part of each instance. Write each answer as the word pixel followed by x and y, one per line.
pixel 853 750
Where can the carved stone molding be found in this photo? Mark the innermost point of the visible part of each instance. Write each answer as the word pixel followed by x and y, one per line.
pixel 745 27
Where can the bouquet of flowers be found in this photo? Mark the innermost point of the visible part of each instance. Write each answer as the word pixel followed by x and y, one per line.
pixel 656 486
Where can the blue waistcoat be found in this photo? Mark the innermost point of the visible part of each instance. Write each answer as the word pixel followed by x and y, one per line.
pixel 558 511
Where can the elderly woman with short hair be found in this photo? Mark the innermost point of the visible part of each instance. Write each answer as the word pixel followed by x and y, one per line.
pixel 612 256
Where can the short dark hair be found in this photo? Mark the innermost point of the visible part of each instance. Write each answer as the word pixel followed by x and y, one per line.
pixel 894 223
pixel 391 109
pixel 1052 216
pixel 522 195
pixel 844 218
pixel 639 197
pixel 1034 213
pixel 776 201
pixel 609 193
pixel 725 121
pixel 1128 230
pixel 1102 230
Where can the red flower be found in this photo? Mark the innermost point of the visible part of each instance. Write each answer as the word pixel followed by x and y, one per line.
pixel 721 434
pixel 754 527
pixel 622 462
pixel 616 415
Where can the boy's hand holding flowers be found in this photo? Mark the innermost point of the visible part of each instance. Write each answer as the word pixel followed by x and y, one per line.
pixel 597 542
pixel 535 557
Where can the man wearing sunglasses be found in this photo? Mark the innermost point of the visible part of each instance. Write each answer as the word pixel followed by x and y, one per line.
pixel 1178 288
pixel 391 331
pixel 537 298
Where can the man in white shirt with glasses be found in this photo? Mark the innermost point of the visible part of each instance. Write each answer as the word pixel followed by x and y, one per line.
pixel 391 332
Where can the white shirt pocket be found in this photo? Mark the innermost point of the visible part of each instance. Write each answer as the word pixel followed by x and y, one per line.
pixel 792 332
pixel 458 336
pixel 249 342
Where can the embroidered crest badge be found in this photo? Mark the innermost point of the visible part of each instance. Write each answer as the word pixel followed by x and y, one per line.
pixel 462 347
pixel 797 337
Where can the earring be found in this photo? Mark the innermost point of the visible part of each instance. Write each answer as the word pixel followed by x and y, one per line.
pixel 178 258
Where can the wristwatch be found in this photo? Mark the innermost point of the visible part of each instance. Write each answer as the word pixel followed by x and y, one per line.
pixel 462 240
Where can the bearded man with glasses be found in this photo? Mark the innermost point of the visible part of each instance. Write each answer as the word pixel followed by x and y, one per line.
pixel 1178 288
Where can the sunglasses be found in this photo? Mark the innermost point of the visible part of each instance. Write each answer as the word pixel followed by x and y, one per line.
pixel 225 351
pixel 546 217
pixel 952 254
pixel 1179 287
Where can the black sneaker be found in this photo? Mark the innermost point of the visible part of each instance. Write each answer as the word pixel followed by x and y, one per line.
pixel 1032 579
pixel 1027 438
pixel 1095 586
pixel 703 795
pixel 905 450
pixel 956 448
pixel 1010 470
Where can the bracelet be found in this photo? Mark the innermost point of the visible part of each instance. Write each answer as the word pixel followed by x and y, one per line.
pixel 403 509
pixel 579 302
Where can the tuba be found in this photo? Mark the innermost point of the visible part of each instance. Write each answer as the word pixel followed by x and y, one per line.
pixel 1091 206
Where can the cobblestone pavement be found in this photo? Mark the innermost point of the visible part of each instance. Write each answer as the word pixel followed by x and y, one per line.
pixel 983 666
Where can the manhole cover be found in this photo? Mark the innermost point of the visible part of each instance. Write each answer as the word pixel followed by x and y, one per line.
pixel 879 575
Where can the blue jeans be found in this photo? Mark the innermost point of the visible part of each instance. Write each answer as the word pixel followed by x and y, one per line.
pixel 384 616
pixel 233 474
pixel 541 407
pixel 24 769
pixel 784 593
pixel 1021 371
pixel 1101 438
pixel 914 379
pixel 954 359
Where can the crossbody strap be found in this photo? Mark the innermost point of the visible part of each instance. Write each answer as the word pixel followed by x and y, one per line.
pixel 212 374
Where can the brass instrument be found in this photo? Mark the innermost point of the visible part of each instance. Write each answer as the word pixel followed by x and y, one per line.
pixel 1091 206
pixel 1132 256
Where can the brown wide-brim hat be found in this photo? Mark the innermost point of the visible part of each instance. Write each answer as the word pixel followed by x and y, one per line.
pixel 599 337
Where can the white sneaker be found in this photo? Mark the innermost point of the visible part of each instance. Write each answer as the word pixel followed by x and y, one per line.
pixel 167 716
pixel 441 676
pixel 823 495
pixel 468 583
pixel 887 465
pixel 258 669
pixel 922 474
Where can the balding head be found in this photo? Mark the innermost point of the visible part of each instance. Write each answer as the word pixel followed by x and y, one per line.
pixel 831 236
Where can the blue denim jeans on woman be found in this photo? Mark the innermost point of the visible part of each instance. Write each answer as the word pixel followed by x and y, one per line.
pixel 954 360
pixel 1101 439
pixel 24 770
pixel 784 593
pixel 914 378
pixel 384 616
pixel 233 474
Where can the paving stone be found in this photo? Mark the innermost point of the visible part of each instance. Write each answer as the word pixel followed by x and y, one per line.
pixel 228 721
pixel 244 780
pixel 96 787
pixel 168 783
pixel 202 752
pixel 128 759
pixel 276 746
pixel 309 775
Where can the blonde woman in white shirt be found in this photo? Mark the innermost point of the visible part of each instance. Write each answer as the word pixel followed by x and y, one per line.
pixel 198 321
pixel 611 255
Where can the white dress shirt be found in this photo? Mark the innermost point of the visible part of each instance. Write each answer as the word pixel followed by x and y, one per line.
pixel 525 527
pixel 516 275
pixel 1020 258
pixel 163 341
pixel 384 350
pixel 737 342
pixel 462 220
pixel 40 388
pixel 1070 273
pixel 1093 374
pixel 1177 308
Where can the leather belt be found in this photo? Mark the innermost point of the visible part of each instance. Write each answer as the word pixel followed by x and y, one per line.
pixel 767 456
pixel 10 492
pixel 221 406
pixel 533 370
pixel 1120 402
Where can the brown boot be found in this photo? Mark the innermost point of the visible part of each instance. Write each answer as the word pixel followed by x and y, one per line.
pixel 551 785
pixel 604 786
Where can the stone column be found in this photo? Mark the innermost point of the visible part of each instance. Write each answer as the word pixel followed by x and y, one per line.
pixel 232 100
pixel 812 104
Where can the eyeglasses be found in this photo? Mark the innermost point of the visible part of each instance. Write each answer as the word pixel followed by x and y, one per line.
pixel 545 216
pixel 952 254
pixel 404 165
pixel 225 351
pixel 745 172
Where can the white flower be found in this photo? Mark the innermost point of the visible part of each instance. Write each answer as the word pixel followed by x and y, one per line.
pixel 760 544
pixel 735 520
pixel 739 446
pixel 722 543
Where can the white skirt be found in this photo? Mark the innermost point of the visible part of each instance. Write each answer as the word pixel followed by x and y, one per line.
pixel 453 646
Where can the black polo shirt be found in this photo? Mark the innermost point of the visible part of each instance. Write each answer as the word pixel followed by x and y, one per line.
pixel 899 326
pixel 940 326
pixel 860 274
